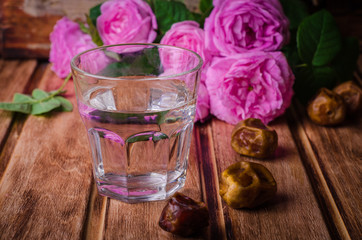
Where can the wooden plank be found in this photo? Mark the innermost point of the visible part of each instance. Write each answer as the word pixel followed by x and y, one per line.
pixel 294 213
pixel 18 121
pixel 335 156
pixel 45 189
pixel 332 156
pixel 210 182
pixel 327 203
pixel 14 77
pixel 140 221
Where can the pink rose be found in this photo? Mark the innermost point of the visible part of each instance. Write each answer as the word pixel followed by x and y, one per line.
pixel 187 34
pixel 67 40
pixel 252 84
pixel 236 26
pixel 203 103
pixel 126 21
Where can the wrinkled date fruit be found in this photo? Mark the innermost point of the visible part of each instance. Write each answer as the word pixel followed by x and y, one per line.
pixel 252 138
pixel 184 216
pixel 327 108
pixel 351 94
pixel 247 185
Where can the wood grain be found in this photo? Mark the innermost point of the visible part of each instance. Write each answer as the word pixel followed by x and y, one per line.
pixel 45 188
pixel 337 175
pixel 294 213
pixel 14 77
pixel 96 211
pixel 210 182
pixel 18 120
pixel 332 157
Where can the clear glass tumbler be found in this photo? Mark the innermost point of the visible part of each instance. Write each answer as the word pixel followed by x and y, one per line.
pixel 137 102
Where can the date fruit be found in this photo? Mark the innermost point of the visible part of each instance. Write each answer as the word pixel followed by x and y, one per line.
pixel 247 185
pixel 352 96
pixel 184 216
pixel 327 108
pixel 252 138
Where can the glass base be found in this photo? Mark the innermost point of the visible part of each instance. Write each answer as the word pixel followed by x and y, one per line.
pixel 138 189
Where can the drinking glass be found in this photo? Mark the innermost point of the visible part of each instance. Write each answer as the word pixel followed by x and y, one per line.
pixel 137 102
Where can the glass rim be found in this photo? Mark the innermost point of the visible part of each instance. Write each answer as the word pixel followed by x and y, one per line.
pixel 85 73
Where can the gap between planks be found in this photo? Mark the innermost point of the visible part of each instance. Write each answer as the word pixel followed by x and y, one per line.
pixel 309 158
pixel 94 227
pixel 210 181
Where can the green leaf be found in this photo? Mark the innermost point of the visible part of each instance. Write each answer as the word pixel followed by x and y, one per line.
pixel 153 59
pixel 170 12
pixel 145 62
pixel 204 15
pixel 22 98
pixel 148 136
pixel 16 107
pixel 83 27
pixel 39 94
pixel 346 61
pixel 45 106
pixel 129 118
pixel 198 18
pixel 93 32
pixel 40 101
pixel 308 80
pixel 291 51
pixel 318 39
pixel 94 13
pixel 205 5
pixel 65 104
pixel 295 10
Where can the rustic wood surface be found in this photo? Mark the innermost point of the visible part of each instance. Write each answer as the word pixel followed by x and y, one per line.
pixel 46 184
pixel 47 189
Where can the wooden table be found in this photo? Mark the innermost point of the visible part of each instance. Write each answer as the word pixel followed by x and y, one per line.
pixel 47 189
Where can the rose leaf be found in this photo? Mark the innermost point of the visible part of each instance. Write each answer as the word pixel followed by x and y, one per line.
pixel 308 80
pixel 22 98
pixel 170 12
pixel 16 107
pixel 291 51
pixel 318 39
pixel 93 32
pixel 295 10
pixel 65 104
pixel 205 5
pixel 94 13
pixel 39 94
pixel 44 106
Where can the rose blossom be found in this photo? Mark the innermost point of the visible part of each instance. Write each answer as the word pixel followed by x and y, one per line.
pixel 125 21
pixel 203 103
pixel 67 40
pixel 252 84
pixel 188 34
pixel 236 26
